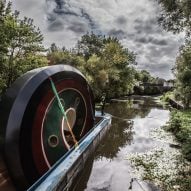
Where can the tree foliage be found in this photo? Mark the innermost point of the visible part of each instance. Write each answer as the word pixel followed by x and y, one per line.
pixel 20 45
pixel 144 76
pixel 90 44
pixel 176 15
pixel 183 74
pixel 58 56
pixel 103 60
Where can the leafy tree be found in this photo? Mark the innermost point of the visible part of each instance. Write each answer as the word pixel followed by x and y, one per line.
pixel 118 61
pixel 176 15
pixel 183 74
pixel 64 56
pixel 53 48
pixel 96 74
pixel 20 45
pixel 90 44
pixel 145 76
pixel 106 64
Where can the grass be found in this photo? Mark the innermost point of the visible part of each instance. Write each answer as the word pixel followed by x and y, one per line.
pixel 180 126
pixel 168 95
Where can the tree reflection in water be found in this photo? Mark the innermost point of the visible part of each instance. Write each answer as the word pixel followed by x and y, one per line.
pixel 121 134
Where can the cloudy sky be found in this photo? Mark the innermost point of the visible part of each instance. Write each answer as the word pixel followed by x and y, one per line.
pixel 134 22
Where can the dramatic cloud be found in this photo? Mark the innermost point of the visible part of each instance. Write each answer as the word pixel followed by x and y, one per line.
pixel 133 22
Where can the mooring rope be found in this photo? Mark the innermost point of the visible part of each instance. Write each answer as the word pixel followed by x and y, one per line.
pixel 62 110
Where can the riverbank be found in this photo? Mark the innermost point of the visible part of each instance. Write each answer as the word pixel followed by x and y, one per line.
pixel 180 125
pixel 168 165
pixel 138 149
pixel 132 119
pixel 164 165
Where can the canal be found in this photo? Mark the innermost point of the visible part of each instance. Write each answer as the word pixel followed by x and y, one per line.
pixel 137 153
pixel 134 122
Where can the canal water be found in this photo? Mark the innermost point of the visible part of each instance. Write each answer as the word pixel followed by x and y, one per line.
pixel 134 119
pixel 136 139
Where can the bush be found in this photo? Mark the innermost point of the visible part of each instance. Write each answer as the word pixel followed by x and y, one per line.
pixel 167 96
pixel 175 122
pixel 179 124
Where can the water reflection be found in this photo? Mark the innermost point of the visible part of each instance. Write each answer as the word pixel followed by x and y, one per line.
pixel 109 168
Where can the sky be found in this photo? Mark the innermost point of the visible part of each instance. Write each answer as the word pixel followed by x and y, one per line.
pixel 133 22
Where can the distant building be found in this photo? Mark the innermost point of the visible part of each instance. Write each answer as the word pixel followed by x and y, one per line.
pixel 158 82
pixel 169 83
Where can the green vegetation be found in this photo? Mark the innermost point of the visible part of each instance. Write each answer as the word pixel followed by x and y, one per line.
pixel 163 165
pixel 20 46
pixel 144 76
pixel 165 168
pixel 168 95
pixel 176 17
pixel 183 75
pixel 148 85
pixel 106 64
pixel 179 124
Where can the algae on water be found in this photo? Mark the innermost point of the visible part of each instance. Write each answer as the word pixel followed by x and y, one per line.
pixel 164 165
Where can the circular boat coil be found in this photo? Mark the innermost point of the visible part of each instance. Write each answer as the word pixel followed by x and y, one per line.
pixel 45 113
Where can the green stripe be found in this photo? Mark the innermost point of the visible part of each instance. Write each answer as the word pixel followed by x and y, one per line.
pixel 58 99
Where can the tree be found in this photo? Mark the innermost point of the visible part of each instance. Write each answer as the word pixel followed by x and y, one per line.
pixel 183 74
pixel 20 45
pixel 145 76
pixel 53 48
pixel 176 15
pixel 119 61
pixel 64 56
pixel 106 64
pixel 90 44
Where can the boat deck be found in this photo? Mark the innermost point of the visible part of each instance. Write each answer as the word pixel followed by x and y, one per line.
pixel 66 169
pixel 61 175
